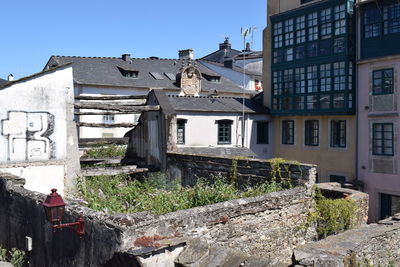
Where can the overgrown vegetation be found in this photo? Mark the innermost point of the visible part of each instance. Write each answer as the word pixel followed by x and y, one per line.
pixel 105 151
pixel 160 194
pixel 332 216
pixel 15 256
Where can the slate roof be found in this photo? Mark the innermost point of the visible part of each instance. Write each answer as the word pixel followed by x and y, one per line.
pixel 2 82
pixel 215 104
pixel 218 151
pixel 106 71
pixel 219 55
pixel 235 68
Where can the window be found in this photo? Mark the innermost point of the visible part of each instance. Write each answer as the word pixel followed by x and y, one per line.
pixel 382 82
pixel 287 132
pixel 300 29
pixel 224 131
pixel 338 101
pixel 288 83
pixel 278 35
pixel 340 20
pixel 338 133
pixel 326 24
pixel 391 18
pixel 108 119
pixel 311 133
pixel 325 101
pixel 300 52
pixel 312 49
pixel 325 77
pixel 325 47
pixel 262 132
pixel 339 45
pixel 289 34
pixel 339 74
pixel 372 23
pixel 300 83
pixel 277 82
pixel 312 79
pixel 180 133
pixel 390 205
pixel 312 24
pixel 289 54
pixel 382 139
pixel 278 56
pixel 312 102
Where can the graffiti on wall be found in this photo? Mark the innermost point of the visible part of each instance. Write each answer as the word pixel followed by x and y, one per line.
pixel 28 135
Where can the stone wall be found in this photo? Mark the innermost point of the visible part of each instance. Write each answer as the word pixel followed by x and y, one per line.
pixel 268 226
pixel 368 245
pixel 22 214
pixel 245 171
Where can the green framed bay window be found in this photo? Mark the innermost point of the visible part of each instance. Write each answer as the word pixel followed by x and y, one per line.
pixel 382 139
pixel 311 133
pixel 325 88
pixel 224 131
pixel 382 82
pixel 288 132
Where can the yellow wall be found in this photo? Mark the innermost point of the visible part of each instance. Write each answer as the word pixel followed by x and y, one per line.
pixel 330 161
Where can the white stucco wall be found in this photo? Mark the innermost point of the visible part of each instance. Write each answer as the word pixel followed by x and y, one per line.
pixel 41 178
pixel 201 130
pixel 35 130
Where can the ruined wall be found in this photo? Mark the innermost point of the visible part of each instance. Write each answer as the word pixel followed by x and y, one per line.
pixel 37 134
pixel 246 171
pixel 22 214
pixel 368 245
pixel 268 226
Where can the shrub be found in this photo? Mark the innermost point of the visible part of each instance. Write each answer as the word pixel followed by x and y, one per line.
pixel 105 151
pixel 333 215
pixel 160 194
pixel 15 256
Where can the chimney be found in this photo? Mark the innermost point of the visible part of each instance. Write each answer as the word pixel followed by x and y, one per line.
pixel 228 62
pixel 126 57
pixel 10 78
pixel 186 54
pixel 247 49
pixel 225 44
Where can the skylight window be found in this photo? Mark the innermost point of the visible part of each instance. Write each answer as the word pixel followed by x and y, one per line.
pixel 170 76
pixel 156 75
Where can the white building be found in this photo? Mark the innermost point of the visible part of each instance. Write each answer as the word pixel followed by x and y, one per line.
pixel 135 76
pixel 38 139
pixel 202 126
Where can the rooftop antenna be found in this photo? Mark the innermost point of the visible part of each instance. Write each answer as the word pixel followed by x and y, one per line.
pixel 244 32
pixel 253 29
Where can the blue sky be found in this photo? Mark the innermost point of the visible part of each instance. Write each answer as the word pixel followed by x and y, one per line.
pixel 32 31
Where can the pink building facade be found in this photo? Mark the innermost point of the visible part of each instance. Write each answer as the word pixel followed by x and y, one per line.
pixel 378 116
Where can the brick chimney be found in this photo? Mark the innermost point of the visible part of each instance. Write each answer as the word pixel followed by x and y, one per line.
pixel 186 54
pixel 10 78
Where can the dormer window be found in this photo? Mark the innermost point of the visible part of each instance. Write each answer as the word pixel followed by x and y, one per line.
pixel 212 78
pixel 129 73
